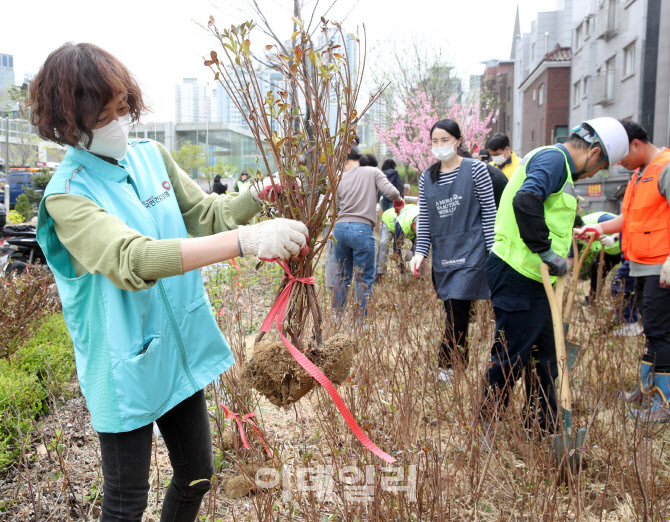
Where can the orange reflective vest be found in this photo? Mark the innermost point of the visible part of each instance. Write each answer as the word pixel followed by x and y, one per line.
pixel 646 216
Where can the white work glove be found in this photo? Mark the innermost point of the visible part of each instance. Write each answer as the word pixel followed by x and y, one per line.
pixel 596 229
pixel 608 241
pixel 274 239
pixel 415 264
pixel 665 274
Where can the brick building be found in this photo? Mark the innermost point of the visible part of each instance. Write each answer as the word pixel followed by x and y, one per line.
pixel 546 101
pixel 497 86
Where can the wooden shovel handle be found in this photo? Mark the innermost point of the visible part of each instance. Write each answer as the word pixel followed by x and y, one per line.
pixel 559 339
pixel 575 273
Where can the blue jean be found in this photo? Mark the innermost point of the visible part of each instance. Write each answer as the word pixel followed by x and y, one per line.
pixel 355 255
pixel 623 284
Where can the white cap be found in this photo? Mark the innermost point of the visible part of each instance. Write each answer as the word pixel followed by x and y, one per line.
pixel 609 133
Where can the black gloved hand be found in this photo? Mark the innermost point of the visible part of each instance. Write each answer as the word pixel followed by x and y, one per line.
pixel 558 266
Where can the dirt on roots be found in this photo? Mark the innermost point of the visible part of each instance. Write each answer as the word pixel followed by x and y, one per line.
pixel 276 375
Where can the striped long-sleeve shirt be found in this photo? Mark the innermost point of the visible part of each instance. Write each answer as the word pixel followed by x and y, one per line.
pixel 484 194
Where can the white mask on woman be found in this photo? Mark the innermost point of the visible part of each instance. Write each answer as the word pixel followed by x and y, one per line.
pixel 112 139
pixel 444 153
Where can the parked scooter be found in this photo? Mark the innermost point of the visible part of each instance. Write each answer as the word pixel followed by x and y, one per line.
pixel 19 250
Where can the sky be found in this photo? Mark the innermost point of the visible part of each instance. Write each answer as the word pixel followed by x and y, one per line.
pixel 161 41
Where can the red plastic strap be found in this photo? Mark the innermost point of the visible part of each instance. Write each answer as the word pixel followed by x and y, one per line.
pixel 239 272
pixel 277 315
pixel 246 418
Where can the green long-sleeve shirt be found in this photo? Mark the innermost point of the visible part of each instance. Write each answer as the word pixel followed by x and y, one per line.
pixel 101 243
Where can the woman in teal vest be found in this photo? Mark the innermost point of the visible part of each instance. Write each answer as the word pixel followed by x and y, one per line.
pixel 114 225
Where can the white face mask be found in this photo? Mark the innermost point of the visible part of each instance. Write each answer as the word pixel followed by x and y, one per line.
pixel 498 160
pixel 112 139
pixel 444 153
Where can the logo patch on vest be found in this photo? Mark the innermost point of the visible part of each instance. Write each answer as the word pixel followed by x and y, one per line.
pixel 647 179
pixel 446 207
pixel 166 185
pixel 155 200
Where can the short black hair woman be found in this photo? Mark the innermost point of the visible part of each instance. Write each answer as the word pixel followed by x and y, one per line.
pixel 114 225
pixel 457 217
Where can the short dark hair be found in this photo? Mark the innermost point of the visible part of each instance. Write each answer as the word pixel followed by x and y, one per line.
pixel 354 154
pixel 497 141
pixel 388 164
pixel 72 88
pixel 244 174
pixel 635 131
pixel 217 178
pixel 368 160
pixel 464 153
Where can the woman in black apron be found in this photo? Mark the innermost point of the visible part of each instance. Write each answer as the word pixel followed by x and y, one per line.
pixel 457 218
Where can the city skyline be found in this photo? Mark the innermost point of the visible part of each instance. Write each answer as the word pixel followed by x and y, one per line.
pixel 163 46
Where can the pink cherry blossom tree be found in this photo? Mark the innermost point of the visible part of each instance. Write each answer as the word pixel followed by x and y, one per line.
pixel 408 138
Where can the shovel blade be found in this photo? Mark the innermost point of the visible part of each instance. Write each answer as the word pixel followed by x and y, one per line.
pixel 568 446
pixel 572 349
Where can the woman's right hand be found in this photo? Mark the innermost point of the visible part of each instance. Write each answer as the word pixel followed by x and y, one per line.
pixel 277 238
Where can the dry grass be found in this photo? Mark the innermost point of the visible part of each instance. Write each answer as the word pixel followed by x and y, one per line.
pixel 394 394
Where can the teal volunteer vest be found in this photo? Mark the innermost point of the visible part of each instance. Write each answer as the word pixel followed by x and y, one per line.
pixel 138 354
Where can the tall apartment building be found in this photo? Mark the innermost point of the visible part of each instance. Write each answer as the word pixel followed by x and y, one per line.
pixel 621 64
pixel 193 101
pixel 6 71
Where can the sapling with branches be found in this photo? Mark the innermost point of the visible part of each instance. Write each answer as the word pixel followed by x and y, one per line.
pixel 304 128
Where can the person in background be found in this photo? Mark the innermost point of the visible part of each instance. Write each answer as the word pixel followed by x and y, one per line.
pixel 368 160
pixel 534 225
pixel 645 240
pixel 398 225
pixel 498 179
pixel 501 155
pixel 609 243
pixel 623 289
pixel 457 214
pixel 354 230
pixel 218 187
pixel 115 225
pixel 388 168
pixel 242 183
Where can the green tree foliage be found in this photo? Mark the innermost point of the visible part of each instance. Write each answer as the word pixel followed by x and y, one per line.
pixel 191 158
pixel 24 207
pixel 222 168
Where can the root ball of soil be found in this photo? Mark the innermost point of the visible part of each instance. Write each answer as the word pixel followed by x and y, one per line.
pixel 276 375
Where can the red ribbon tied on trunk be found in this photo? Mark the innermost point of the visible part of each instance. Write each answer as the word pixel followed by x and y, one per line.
pixel 276 315
pixel 246 418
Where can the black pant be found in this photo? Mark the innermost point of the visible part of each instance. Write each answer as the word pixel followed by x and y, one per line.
pixel 454 346
pixel 523 344
pixel 126 459
pixel 610 262
pixel 654 305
